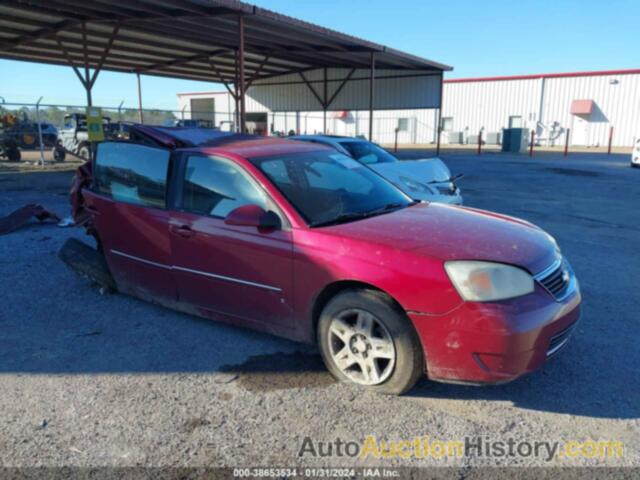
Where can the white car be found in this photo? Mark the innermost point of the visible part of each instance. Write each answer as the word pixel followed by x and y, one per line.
pixel 425 179
pixel 635 155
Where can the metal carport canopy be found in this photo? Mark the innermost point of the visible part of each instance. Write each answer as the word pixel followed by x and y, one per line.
pixel 223 41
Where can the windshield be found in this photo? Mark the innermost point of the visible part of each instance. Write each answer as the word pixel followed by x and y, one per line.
pixel 368 153
pixel 328 187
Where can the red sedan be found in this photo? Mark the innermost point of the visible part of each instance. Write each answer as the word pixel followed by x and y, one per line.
pixel 301 241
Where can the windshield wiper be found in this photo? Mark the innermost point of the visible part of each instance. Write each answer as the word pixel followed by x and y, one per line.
pixel 450 179
pixel 346 217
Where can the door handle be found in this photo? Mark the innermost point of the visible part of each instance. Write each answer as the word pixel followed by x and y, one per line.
pixel 183 231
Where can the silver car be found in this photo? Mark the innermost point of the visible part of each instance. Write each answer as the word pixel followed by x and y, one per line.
pixel 425 179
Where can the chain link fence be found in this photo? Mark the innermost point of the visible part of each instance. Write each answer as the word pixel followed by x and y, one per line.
pixel 39 127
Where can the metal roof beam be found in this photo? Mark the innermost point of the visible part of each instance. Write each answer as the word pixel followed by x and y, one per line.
pixel 47 59
pixel 313 90
pixel 340 87
pixel 181 61
pixel 43 33
pixel 142 63
pixel 104 54
pixel 77 55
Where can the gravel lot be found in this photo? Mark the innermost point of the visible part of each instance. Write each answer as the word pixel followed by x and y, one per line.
pixel 105 380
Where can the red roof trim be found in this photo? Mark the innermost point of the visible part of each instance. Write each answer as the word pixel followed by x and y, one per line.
pixel 203 93
pixel 545 75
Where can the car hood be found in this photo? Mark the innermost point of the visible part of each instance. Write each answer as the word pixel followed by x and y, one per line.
pixel 456 233
pixel 423 171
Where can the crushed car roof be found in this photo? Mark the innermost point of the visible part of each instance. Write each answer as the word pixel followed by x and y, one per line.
pixel 205 138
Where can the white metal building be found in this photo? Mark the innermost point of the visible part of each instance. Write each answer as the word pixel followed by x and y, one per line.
pixel 588 104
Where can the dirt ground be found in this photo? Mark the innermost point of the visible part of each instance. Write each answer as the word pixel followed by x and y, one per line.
pixel 31 162
pixel 91 379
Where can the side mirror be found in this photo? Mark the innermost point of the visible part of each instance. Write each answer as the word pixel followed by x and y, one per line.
pixel 253 216
pixel 457 177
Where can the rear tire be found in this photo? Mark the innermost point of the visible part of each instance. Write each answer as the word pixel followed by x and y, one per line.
pixel 59 154
pixel 14 155
pixel 367 340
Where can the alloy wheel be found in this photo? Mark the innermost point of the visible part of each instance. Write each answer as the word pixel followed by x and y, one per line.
pixel 361 347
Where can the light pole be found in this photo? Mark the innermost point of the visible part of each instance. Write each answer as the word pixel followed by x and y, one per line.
pixel 120 111
pixel 40 132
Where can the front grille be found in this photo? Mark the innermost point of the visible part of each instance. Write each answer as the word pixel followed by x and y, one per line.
pixel 557 281
pixel 559 340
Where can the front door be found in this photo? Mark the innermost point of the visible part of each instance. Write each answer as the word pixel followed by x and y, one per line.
pixel 236 271
pixel 580 134
pixel 128 201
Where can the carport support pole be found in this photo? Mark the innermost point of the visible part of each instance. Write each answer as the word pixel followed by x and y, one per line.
pixel 438 128
pixel 89 99
pixel 438 131
pixel 372 78
pixel 533 132
pixel 324 103
pixel 610 140
pixel 241 83
pixel 140 115
pixel 236 95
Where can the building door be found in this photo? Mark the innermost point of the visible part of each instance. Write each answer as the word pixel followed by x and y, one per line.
pixel 203 109
pixel 580 133
pixel 257 123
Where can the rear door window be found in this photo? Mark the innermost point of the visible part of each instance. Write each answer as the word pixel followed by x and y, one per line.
pixel 132 173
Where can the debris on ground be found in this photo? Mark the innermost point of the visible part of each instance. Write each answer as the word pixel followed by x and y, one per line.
pixel 67 221
pixel 21 217
pixel 88 262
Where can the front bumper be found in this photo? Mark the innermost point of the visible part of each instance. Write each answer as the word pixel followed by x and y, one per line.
pixel 497 342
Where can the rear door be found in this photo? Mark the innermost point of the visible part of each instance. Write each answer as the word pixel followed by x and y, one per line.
pixel 236 271
pixel 128 199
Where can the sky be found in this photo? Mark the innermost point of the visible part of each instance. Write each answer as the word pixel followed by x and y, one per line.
pixel 477 38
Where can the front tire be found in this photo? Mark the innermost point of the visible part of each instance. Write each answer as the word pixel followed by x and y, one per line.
pixel 367 340
pixel 84 152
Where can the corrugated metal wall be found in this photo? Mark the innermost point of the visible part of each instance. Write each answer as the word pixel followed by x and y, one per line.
pixel 393 90
pixel 488 105
pixel 543 104
pixel 617 104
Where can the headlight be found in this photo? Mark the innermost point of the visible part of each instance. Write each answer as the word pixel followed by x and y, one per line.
pixel 555 244
pixel 487 281
pixel 450 189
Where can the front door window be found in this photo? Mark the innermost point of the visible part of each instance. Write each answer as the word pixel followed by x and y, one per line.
pixel 215 186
